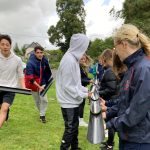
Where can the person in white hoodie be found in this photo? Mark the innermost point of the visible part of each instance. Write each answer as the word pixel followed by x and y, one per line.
pixel 69 91
pixel 10 72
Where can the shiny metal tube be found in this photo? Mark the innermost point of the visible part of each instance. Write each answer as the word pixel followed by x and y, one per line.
pixel 95 133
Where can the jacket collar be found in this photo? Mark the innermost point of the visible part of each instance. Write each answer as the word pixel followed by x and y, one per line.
pixel 129 61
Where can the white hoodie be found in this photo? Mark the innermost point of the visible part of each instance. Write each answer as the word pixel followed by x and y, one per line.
pixel 10 70
pixel 69 91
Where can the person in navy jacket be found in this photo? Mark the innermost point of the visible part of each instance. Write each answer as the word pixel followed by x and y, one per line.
pixel 108 89
pixel 100 69
pixel 37 75
pixel 132 121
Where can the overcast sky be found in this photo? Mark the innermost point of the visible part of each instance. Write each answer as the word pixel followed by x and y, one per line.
pixel 28 20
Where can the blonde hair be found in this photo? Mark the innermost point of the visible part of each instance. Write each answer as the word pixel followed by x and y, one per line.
pixel 106 56
pixel 134 37
pixel 87 63
pixel 89 60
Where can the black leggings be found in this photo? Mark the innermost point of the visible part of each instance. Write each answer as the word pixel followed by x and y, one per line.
pixel 111 135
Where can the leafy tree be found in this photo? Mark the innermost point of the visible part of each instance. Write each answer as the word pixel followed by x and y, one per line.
pixel 95 48
pixel 136 12
pixel 54 55
pixel 72 19
pixel 109 43
pixel 17 50
pixel 98 46
pixel 23 50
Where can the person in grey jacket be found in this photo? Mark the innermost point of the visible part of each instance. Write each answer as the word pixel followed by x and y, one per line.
pixel 132 121
pixel 69 91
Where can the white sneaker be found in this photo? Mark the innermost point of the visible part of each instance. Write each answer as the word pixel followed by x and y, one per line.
pixel 82 123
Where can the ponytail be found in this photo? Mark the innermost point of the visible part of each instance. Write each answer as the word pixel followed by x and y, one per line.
pixel 145 43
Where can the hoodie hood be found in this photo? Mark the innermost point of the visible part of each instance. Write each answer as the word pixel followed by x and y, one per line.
pixel 78 45
pixel 32 56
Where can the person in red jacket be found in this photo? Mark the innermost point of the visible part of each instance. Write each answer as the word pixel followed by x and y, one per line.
pixel 37 74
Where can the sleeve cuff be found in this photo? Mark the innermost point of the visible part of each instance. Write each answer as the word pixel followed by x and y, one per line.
pixel 86 95
pixel 107 116
pixel 32 81
pixel 110 124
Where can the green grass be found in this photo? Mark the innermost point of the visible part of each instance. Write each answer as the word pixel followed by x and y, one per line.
pixel 24 131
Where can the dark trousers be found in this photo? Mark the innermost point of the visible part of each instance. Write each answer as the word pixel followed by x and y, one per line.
pixel 81 109
pixel 111 135
pixel 123 145
pixel 71 121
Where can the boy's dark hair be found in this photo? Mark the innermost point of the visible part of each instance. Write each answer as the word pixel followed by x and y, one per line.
pixel 6 37
pixel 38 47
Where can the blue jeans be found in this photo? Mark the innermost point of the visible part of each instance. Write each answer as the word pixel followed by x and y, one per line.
pixel 124 145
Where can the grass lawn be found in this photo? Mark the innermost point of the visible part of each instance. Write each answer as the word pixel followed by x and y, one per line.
pixel 24 131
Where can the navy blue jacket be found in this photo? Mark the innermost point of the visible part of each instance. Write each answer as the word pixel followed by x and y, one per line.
pixel 112 108
pixel 85 80
pixel 100 72
pixel 133 118
pixel 108 84
pixel 37 70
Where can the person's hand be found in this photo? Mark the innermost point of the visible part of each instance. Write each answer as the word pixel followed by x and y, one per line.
pixel 90 94
pixel 91 81
pixel 103 107
pixel 102 103
pixel 104 115
pixel 41 88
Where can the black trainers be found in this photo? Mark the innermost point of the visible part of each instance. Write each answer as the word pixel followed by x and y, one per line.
pixel 42 118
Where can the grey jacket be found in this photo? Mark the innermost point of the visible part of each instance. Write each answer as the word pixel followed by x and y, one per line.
pixel 69 91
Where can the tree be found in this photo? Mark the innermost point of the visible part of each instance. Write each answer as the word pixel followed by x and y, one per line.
pixel 95 48
pixel 136 12
pixel 17 50
pixel 23 50
pixel 98 46
pixel 72 20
